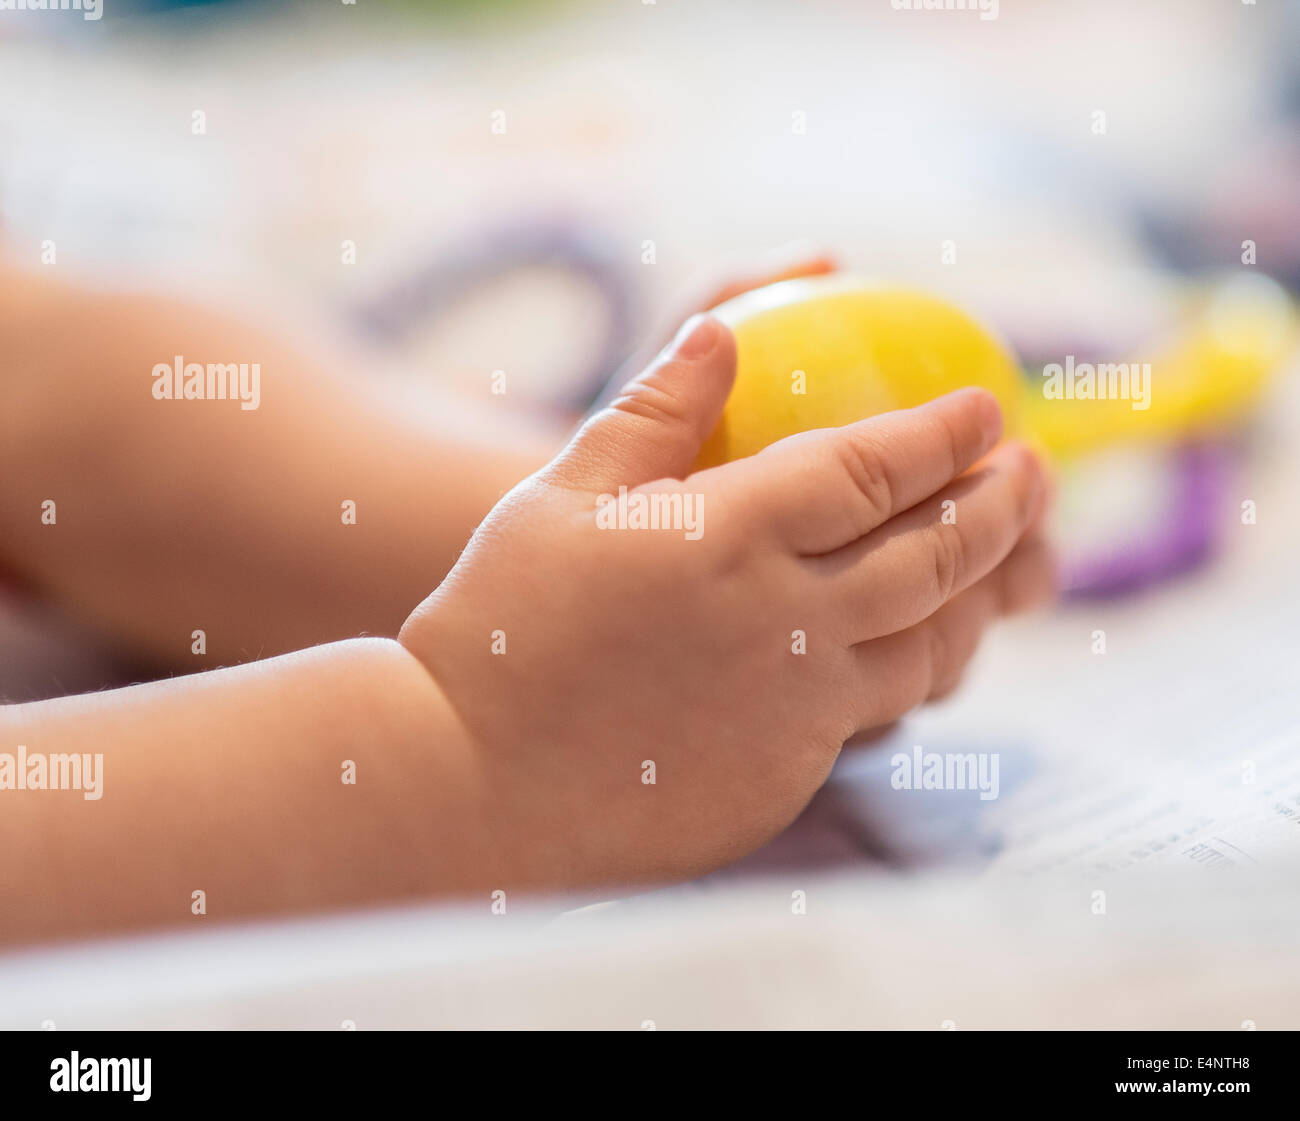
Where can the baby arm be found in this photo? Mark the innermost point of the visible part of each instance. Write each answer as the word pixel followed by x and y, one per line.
pixel 329 777
pixel 175 516
pixel 508 740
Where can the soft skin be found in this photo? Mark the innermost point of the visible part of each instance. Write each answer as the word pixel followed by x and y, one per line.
pixel 173 518
pixel 478 771
pixel 624 647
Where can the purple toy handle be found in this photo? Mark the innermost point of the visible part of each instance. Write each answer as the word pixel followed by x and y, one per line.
pixel 1187 538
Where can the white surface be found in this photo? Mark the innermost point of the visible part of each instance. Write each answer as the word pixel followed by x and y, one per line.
pixel 1179 952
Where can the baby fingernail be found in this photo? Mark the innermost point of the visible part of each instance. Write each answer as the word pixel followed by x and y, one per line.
pixel 697 336
pixel 990 415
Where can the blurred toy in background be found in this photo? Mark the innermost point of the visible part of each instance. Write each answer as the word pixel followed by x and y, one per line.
pixel 1170 410
pixel 826 351
pixel 1169 455
pixel 1144 442
pixel 556 245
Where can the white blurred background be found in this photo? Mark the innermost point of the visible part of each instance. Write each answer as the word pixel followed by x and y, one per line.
pixel 713 129
pixel 716 130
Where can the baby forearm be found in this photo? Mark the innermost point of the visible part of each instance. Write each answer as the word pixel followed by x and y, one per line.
pixel 158 518
pixel 329 778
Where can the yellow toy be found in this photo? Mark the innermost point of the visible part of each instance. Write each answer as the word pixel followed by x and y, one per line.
pixel 826 351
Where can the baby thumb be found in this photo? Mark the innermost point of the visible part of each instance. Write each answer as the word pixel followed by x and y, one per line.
pixel 655 427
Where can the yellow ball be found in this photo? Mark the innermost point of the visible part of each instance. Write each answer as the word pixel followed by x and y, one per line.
pixel 826 351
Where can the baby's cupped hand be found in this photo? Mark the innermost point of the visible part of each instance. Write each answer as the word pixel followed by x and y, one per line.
pixel 657 668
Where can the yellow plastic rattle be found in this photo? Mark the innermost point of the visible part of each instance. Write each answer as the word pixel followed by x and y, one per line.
pixel 826 351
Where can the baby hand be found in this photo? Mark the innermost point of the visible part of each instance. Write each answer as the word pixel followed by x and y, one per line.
pixel 651 703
